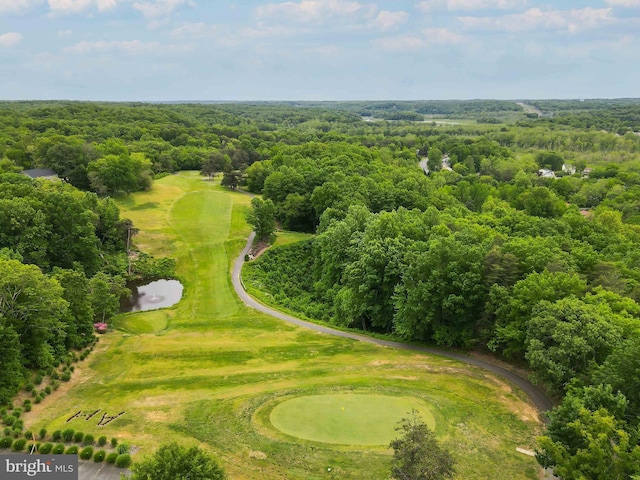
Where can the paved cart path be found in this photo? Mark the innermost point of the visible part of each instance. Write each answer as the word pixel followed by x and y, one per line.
pixel 538 398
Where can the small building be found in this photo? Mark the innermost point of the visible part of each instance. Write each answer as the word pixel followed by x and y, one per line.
pixel 46 173
pixel 570 169
pixel 546 173
pixel 586 172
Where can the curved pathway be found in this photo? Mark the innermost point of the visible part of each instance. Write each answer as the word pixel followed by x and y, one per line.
pixel 538 398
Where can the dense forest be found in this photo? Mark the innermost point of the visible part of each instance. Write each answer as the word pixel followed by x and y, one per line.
pixel 482 252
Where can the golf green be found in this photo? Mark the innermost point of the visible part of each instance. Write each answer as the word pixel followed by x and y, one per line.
pixel 346 419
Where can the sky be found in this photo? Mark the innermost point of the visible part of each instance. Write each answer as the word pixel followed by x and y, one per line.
pixel 172 50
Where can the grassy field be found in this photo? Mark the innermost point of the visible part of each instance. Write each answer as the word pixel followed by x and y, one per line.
pixel 210 372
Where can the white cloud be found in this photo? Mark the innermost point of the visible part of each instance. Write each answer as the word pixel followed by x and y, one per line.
pixel 386 20
pixel 17 6
pixel 400 43
pixel 159 7
pixel 443 36
pixel 469 5
pixel 624 3
pixel 64 33
pixel 104 5
pixel 484 4
pixel 429 37
pixel 77 6
pixel 536 19
pixel 132 47
pixel 317 10
pixel 69 6
pixel 10 39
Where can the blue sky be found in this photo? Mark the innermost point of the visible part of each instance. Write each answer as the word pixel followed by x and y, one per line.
pixel 318 49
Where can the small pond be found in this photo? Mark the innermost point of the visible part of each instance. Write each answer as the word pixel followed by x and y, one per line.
pixel 151 296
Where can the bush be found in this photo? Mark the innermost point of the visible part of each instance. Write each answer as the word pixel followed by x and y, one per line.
pixel 66 376
pixel 102 441
pixel 123 460
pixel 173 461
pixel 8 432
pixel 88 439
pixel 114 442
pixel 122 448
pixel 26 402
pixel 19 444
pixel 78 436
pixel 38 379
pixel 55 384
pixel 86 453
pixel 57 435
pixel 47 389
pixel 98 457
pixel 27 407
pixel 32 447
pixel 34 393
pixel 9 420
pixel 54 375
pixel 28 435
pixel 29 387
pixel 67 435
pixel 38 399
pixel 46 448
pixel 72 450
pixel 43 432
pixel 58 449
pixel 18 425
pixel 17 412
pixel 111 458
pixel 6 442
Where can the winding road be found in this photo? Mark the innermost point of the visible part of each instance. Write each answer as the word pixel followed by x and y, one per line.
pixel 538 398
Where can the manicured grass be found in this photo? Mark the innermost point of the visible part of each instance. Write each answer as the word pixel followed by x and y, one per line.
pixel 210 371
pixel 350 419
pixel 285 237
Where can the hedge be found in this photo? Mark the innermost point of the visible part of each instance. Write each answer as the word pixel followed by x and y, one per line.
pixel 58 449
pixel 86 453
pixel 123 461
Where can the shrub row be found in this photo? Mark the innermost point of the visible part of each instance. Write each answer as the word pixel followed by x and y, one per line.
pixel 120 460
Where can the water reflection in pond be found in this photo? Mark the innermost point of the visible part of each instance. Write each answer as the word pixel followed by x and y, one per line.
pixel 154 295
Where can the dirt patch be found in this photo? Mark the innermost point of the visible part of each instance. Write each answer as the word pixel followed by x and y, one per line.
pixel 258 248
pixel 157 416
pixel 257 454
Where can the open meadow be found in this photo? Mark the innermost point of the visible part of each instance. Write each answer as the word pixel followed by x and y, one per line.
pixel 211 372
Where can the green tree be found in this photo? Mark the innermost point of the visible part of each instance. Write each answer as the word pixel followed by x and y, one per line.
pixel 231 179
pixel 104 294
pixel 262 218
pixel 176 462
pixel 568 338
pixel 10 366
pixel 417 454
pixel 434 159
pixel 33 305
pixel 217 162
pixel 606 452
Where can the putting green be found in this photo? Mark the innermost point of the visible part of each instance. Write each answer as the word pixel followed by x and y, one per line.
pixel 347 419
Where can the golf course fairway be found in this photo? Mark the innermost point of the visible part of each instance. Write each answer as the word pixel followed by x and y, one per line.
pixel 209 371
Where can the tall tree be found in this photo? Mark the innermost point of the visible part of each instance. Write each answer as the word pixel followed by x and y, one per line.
pixel 417 454
pixel 262 218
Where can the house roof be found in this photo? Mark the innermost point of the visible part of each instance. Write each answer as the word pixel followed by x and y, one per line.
pixel 40 172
